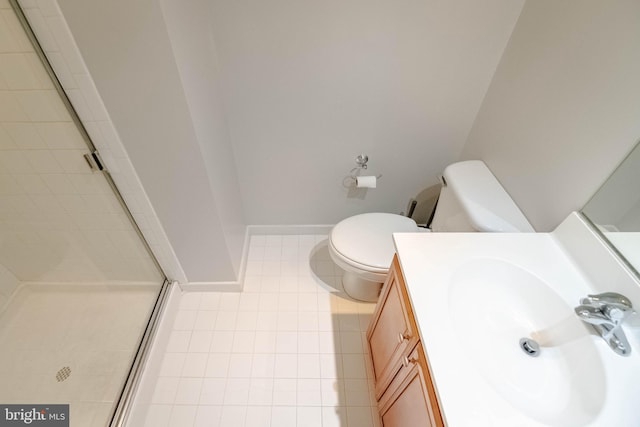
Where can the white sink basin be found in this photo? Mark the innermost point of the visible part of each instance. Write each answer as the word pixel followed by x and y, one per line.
pixel 493 304
pixel 475 295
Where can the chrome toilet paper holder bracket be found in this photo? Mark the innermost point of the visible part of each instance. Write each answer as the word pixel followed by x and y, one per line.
pixel 361 162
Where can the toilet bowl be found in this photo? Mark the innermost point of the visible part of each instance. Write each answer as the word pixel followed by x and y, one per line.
pixel 362 245
pixel 471 199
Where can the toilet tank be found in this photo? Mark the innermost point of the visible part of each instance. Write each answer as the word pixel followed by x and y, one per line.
pixel 472 199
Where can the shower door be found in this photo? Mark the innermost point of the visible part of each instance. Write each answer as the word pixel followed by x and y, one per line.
pixel 77 282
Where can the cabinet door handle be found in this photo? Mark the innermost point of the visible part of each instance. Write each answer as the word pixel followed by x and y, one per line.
pixel 406 361
pixel 403 336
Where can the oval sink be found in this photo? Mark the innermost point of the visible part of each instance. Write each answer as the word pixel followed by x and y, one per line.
pixel 493 304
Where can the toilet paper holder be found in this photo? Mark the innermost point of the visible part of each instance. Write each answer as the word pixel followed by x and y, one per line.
pixel 361 162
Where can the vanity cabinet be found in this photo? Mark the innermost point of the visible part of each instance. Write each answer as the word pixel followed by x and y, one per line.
pixel 403 386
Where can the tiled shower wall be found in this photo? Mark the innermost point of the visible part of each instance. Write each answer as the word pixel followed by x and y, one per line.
pixel 52 32
pixel 59 221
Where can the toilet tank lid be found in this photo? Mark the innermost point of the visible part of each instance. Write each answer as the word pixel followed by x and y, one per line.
pixel 486 203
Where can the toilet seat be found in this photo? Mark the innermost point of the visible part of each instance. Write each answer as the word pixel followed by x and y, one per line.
pixel 363 271
pixel 365 242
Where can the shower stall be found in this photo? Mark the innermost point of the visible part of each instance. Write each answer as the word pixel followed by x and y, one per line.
pixel 78 284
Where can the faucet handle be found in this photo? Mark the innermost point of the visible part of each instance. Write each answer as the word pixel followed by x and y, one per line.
pixel 609 299
pixel 616 314
pixel 593 315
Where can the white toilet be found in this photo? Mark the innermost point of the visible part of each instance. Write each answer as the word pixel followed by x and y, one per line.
pixel 471 199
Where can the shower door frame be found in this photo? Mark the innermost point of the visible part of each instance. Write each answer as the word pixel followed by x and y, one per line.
pixel 125 400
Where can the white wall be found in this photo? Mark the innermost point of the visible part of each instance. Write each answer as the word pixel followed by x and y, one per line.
pixel 128 52
pixel 617 202
pixel 562 109
pixel 8 284
pixel 189 27
pixel 308 85
pixel 631 221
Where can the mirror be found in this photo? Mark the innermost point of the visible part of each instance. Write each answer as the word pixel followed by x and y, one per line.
pixel 614 210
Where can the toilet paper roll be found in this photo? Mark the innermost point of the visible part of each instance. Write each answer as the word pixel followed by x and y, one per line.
pixel 366 181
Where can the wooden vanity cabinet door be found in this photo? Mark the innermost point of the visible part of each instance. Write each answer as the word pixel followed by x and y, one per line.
pixel 392 331
pixel 410 400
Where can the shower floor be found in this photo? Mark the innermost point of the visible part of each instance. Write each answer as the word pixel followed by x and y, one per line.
pixel 72 344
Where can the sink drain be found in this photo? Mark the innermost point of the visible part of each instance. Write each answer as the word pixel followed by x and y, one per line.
pixel 530 347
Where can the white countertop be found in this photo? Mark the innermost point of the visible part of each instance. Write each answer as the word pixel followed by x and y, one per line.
pixel 469 392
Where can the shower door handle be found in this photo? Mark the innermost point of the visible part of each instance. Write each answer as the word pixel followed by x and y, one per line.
pixel 94 161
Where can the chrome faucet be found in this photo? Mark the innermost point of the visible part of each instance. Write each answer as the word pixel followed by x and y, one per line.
pixel 605 313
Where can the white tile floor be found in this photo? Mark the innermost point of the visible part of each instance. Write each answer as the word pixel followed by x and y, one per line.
pixel 290 350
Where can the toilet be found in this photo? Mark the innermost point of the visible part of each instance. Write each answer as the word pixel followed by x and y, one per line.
pixel 471 200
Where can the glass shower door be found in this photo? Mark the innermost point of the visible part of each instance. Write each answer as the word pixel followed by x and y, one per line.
pixel 77 283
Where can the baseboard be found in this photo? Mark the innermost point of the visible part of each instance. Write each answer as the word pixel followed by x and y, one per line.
pixel 260 230
pixel 212 286
pixel 253 230
pixel 224 286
